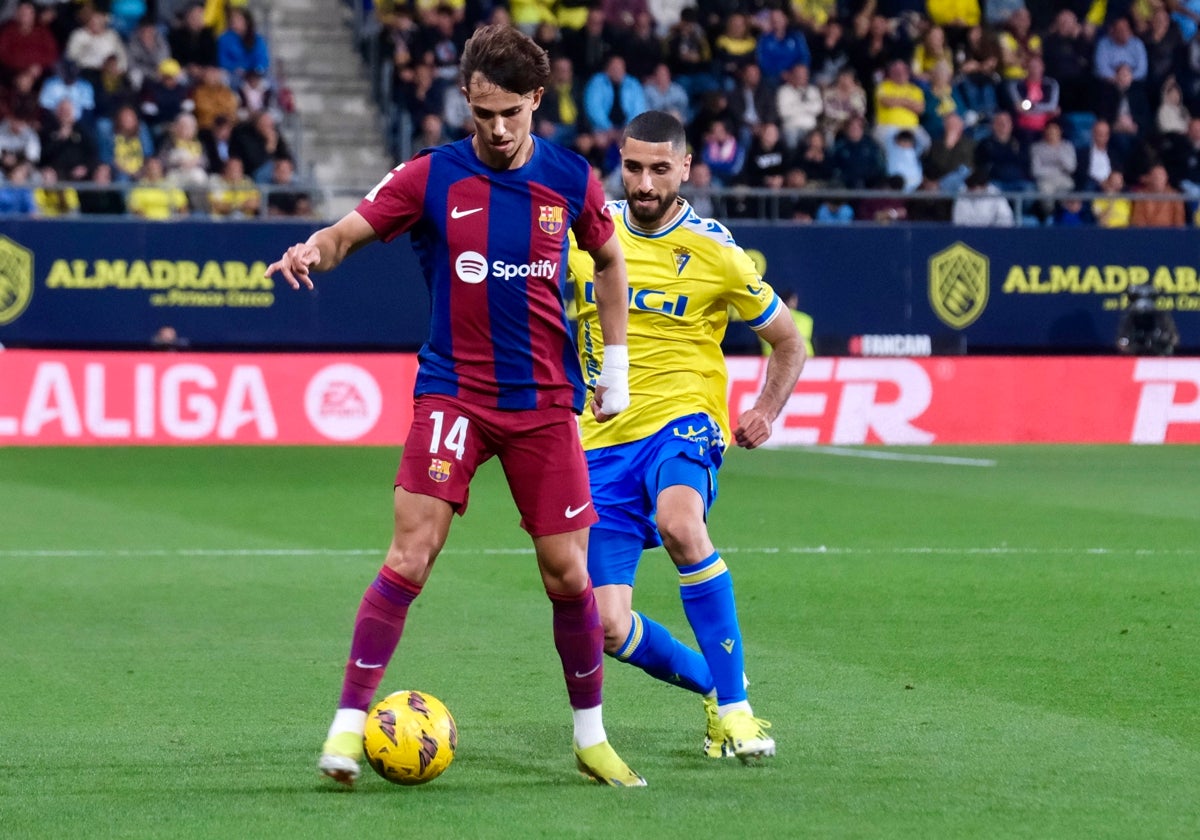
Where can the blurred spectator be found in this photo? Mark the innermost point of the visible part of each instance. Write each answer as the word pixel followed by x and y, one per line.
pixel 52 199
pixel 112 89
pixel 241 47
pixel 1004 157
pixel 665 94
pixel 164 97
pixel 1034 100
pixel 443 41
pixel 1164 43
pixel 830 54
pixel 931 52
pixel 871 55
pixel 182 154
pixel 559 115
pixel 689 54
pixel 233 194
pixel 956 17
pixel 698 189
pixel 899 104
pixel 903 159
pixel 18 140
pixel 814 160
pixel 16 194
pixel 126 145
pixel 814 15
pixel 93 42
pixel 22 97
pixel 1120 46
pixel 714 105
pixel 622 15
pixel 456 113
pixel 153 197
pixel 999 11
pixel 68 84
pixel 1018 42
pixel 885 209
pixel 929 203
pixel 591 46
pixel 148 48
pixel 212 98
pixel 799 105
pixel 1052 162
pixel 1073 213
pixel 781 47
pixel 794 204
pixel 26 44
pixel 422 92
pixel 125 16
pixel 286 197
pixel 102 202
pixel 766 159
pixel 734 48
pixel 1097 160
pixel 978 78
pixel 1149 212
pixel 641 48
pixel 1067 53
pixel 1122 103
pixel 941 100
pixel 256 93
pixel 951 157
pixel 843 100
pixel 857 158
pixel 981 204
pixel 257 142
pixel 834 211
pixel 66 148
pixel 217 143
pixel 430 132
pixel 722 152
pixel 1172 117
pixel 193 44
pixel 612 98
pixel 1112 211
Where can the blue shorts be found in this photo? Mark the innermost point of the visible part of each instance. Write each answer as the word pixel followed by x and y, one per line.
pixel 626 480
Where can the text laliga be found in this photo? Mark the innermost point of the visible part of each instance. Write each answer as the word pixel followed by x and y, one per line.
pixel 183 401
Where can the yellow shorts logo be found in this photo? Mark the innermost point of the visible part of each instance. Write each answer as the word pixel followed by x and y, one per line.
pixel 958 285
pixel 16 279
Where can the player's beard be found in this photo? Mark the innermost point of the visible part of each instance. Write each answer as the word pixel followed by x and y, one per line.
pixel 653 218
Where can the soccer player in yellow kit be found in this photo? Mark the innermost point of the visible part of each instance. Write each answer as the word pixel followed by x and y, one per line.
pixel 653 468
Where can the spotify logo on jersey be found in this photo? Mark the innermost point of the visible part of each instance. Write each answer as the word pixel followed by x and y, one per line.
pixel 471 267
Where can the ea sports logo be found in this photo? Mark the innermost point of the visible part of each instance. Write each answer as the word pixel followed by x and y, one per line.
pixel 343 402
pixel 471 267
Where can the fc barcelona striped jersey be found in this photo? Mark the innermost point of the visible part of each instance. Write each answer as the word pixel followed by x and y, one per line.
pixel 493 248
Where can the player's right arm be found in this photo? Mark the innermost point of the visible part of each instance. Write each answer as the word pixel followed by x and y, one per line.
pixel 324 250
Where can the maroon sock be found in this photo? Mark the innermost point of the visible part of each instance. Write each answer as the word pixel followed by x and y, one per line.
pixel 580 642
pixel 377 629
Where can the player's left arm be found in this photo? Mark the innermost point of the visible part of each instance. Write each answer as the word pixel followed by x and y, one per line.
pixel 610 282
pixel 783 369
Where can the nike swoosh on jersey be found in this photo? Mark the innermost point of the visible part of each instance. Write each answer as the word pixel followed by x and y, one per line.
pixel 571 512
pixel 459 214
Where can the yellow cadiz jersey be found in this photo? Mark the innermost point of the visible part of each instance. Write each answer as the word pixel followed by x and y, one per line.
pixel 682 282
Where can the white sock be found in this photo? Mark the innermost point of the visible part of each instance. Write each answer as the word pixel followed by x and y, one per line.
pixel 348 720
pixel 589 727
pixel 739 706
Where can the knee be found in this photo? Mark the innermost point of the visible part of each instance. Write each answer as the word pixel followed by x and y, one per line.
pixel 684 538
pixel 616 623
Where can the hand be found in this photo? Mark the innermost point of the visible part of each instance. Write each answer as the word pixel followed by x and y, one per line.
pixel 612 386
pixel 753 429
pixel 295 263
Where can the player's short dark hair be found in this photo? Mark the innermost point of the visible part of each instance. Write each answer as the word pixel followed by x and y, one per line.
pixel 656 127
pixel 506 57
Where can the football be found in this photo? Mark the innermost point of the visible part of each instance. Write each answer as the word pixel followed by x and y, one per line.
pixel 410 738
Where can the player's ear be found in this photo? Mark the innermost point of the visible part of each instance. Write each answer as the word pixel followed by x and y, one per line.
pixel 687 167
pixel 537 98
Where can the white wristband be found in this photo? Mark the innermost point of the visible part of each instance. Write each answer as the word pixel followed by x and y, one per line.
pixel 614 378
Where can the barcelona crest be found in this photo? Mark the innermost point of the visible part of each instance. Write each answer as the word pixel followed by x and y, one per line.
pixel 550 219
pixel 439 470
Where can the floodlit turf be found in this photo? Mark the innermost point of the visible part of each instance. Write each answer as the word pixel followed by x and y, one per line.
pixel 1004 645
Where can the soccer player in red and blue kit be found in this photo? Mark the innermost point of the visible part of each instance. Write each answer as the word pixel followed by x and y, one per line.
pixel 488 217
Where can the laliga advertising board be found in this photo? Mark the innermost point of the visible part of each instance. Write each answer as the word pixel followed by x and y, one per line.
pixel 56 398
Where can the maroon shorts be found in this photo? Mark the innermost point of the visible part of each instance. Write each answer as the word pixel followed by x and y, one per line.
pixel 539 451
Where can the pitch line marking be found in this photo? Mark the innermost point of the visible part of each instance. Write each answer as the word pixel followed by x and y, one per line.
pixel 882 455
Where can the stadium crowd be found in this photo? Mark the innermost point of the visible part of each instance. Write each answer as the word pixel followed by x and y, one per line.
pixel 945 107
pixel 154 111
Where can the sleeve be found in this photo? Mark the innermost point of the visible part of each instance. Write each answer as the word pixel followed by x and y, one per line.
pixel 398 201
pixel 746 291
pixel 594 226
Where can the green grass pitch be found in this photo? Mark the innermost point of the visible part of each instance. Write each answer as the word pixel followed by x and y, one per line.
pixel 950 642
